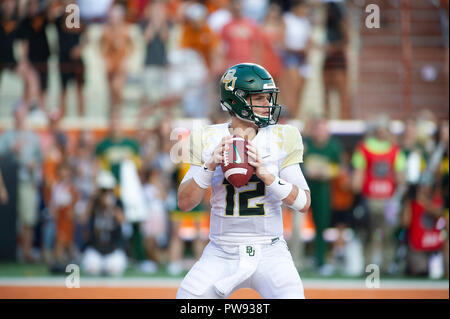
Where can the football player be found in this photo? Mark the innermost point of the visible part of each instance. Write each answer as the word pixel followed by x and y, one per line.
pixel 246 248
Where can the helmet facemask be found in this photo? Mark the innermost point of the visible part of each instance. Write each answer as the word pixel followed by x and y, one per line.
pixel 247 113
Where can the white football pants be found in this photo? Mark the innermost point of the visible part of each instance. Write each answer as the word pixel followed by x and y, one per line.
pixel 275 275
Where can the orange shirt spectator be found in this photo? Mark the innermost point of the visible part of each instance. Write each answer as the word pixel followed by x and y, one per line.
pixel 342 195
pixel 54 145
pixel 64 211
pixel 62 206
pixel 213 5
pixel 201 39
pixel 116 45
pixel 196 34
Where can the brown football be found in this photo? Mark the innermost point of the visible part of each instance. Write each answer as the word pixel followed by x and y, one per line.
pixel 235 166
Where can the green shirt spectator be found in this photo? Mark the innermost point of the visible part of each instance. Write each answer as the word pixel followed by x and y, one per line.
pixel 111 152
pixel 321 164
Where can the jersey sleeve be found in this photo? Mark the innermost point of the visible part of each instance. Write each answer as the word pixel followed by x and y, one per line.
pixel 193 170
pixel 195 147
pixel 294 175
pixel 293 146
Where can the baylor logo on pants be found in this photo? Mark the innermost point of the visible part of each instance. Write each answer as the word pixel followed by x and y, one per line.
pixel 250 251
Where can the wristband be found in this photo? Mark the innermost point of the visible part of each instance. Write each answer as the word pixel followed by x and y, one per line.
pixel 280 188
pixel 204 178
pixel 300 200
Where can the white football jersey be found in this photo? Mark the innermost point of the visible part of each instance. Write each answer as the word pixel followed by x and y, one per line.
pixel 248 214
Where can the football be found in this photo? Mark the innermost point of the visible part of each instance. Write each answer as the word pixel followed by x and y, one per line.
pixel 235 166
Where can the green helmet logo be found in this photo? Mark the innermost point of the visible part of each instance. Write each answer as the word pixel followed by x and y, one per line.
pixel 229 80
pixel 241 81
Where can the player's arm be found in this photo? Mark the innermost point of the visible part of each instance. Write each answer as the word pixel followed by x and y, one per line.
pixel 290 187
pixel 198 178
pixel 190 193
pixel 299 197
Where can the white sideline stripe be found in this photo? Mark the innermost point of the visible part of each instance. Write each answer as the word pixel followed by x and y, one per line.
pixel 92 282
pixel 236 170
pixel 327 284
pixel 384 284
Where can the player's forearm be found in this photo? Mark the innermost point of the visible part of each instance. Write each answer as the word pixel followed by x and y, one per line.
pixel 291 198
pixel 291 188
pixel 268 179
pixel 190 194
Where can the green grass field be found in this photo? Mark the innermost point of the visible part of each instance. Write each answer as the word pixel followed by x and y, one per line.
pixel 40 270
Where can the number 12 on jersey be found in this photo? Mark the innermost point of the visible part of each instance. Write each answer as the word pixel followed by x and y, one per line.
pixel 243 197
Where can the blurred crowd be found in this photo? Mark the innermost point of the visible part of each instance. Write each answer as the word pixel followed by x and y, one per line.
pixel 107 201
pixel 385 196
pixel 187 45
pixel 101 201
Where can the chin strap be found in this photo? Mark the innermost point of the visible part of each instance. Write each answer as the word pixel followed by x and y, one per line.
pixel 224 107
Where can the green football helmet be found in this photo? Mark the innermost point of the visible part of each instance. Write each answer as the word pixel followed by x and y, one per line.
pixel 243 80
